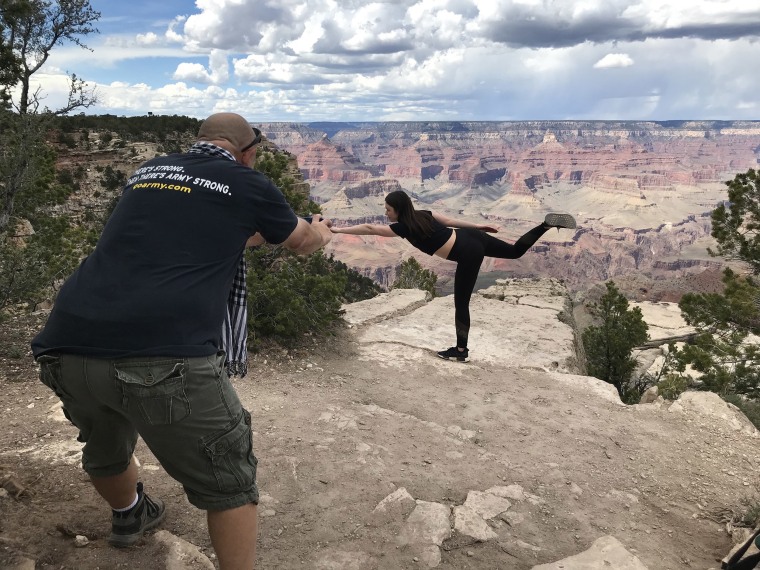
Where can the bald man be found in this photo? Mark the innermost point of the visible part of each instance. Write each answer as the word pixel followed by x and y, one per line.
pixel 132 345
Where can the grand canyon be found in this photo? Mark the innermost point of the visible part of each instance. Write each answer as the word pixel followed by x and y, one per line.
pixel 642 192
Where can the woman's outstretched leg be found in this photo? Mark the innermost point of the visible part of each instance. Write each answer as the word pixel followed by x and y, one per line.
pixel 496 248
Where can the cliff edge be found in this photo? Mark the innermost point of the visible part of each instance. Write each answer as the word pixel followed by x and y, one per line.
pixel 375 454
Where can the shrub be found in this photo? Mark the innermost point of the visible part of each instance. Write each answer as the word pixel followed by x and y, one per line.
pixel 289 296
pixel 113 179
pixel 65 176
pixel 750 515
pixel 609 345
pixel 723 352
pixel 28 273
pixel 672 386
pixel 411 275
pixel 67 139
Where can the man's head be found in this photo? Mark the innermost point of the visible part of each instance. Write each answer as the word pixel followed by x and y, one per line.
pixel 231 132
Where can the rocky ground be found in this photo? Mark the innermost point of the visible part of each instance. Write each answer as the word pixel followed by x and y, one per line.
pixel 375 454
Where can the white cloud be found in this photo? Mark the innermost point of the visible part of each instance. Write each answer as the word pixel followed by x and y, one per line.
pixel 312 32
pixel 428 59
pixel 172 34
pixel 192 72
pixel 217 74
pixel 436 27
pixel 148 39
pixel 674 14
pixel 614 60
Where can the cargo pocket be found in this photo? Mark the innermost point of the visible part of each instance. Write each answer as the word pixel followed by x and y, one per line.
pixel 50 375
pixel 155 390
pixel 231 455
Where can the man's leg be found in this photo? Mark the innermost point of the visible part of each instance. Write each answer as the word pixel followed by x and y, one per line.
pixel 109 438
pixel 118 490
pixel 93 404
pixel 233 535
pixel 190 416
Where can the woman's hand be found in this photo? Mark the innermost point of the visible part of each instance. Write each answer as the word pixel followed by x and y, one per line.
pixel 489 229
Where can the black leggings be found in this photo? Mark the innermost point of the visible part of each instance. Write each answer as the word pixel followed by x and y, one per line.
pixel 470 247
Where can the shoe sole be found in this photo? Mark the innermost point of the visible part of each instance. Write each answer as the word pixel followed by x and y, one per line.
pixel 455 358
pixel 125 540
pixel 560 221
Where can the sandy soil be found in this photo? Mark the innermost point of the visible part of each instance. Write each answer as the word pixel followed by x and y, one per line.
pixel 335 434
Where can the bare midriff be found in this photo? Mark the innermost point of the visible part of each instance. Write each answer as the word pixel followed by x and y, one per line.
pixel 445 249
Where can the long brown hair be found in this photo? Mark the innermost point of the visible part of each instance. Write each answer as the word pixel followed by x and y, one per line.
pixel 420 223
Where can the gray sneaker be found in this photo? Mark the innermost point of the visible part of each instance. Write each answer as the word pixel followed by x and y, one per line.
pixel 560 221
pixel 128 527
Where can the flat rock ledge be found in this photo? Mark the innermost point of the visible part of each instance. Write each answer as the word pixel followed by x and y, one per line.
pixel 604 554
pixel 427 526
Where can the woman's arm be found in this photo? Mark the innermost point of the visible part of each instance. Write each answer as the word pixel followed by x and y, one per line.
pixel 454 223
pixel 365 230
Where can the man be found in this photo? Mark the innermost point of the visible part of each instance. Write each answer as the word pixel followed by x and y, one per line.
pixel 132 344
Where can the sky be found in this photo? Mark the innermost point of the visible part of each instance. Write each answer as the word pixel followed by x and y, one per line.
pixel 402 60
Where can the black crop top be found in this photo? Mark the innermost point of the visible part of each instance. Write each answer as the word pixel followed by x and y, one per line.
pixel 428 244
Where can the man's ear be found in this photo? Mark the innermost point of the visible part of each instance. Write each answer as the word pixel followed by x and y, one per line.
pixel 248 157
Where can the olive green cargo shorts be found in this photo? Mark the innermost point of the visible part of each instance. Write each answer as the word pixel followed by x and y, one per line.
pixel 185 409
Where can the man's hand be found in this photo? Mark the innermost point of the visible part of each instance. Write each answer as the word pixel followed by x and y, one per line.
pixel 319 218
pixel 322 225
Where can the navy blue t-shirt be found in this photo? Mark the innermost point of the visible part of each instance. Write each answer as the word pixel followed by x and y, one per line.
pixel 158 280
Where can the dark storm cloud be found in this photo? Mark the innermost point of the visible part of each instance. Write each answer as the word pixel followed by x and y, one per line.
pixel 538 27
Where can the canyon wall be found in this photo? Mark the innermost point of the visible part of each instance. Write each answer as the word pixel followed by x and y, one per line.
pixel 642 192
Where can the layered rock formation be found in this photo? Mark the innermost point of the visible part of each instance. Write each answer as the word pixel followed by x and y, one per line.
pixel 642 192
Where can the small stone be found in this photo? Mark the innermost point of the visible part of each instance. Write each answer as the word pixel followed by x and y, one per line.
pixel 81 541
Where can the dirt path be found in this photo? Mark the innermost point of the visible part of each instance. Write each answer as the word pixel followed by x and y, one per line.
pixel 336 434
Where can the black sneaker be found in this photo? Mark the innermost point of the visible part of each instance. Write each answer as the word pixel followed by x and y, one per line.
pixel 128 527
pixel 454 353
pixel 560 221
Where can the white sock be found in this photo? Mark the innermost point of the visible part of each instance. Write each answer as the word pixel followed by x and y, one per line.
pixel 130 507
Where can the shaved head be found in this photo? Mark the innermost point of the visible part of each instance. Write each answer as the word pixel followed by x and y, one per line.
pixel 226 127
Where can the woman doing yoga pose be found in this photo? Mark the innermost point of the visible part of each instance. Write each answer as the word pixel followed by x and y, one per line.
pixel 468 244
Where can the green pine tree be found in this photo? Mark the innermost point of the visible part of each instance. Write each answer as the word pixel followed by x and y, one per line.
pixel 610 343
pixel 411 275
pixel 723 351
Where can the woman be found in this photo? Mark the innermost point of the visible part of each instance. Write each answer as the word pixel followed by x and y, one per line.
pixel 432 233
